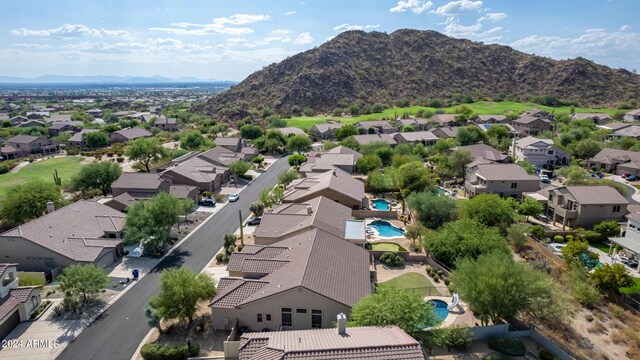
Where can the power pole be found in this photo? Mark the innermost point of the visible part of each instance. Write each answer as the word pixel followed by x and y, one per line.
pixel 241 227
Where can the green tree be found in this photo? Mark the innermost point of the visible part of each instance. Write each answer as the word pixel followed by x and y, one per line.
pixel 517 235
pixel 608 228
pixel 257 207
pixel 530 207
pixel 96 139
pixel 414 177
pixel 150 221
pixel 346 131
pixel 238 168
pixel 272 141
pixel 297 159
pixel 414 232
pixel 81 282
pixel 527 166
pixel 433 210
pixel 98 176
pixel 28 201
pixel 454 336
pixel 250 132
pixel 408 128
pixel 498 288
pixel 181 291
pixel 146 150
pixel 587 148
pixel 299 143
pixel 470 135
pixel 192 140
pixel 498 132
pixel 610 278
pixel 463 239
pixel 454 165
pixel 393 306
pixel 488 209
pixel 270 197
pixel 577 252
pixel 286 177
pixel 368 163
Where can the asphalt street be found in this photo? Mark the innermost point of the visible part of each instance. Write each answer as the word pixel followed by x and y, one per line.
pixel 117 333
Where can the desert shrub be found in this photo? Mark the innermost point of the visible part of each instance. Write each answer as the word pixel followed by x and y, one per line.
pixel 558 238
pixel 569 238
pixel 219 257
pixel 428 268
pixel 537 232
pixel 547 355
pixel 513 347
pixel 391 259
pixel 586 294
pixel 455 336
pixel 618 311
pixel 119 159
pixel 4 169
pixel 447 282
pixel 218 198
pixel 169 352
pixel 240 247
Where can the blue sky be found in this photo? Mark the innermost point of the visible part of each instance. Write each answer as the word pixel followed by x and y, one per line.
pixel 228 40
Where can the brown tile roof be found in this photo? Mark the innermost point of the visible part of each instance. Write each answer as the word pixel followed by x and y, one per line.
pixel 446 131
pixel 77 137
pixel 503 172
pixel 527 119
pixel 133 133
pixel 384 124
pixel 486 118
pixel 15 297
pixel 417 136
pixel 484 151
pixel 138 180
pixel 582 116
pixel 124 200
pixel 4 267
pixel 256 252
pixel 59 125
pixel 221 156
pixel 227 141
pixel 381 343
pixel 612 156
pixel 615 126
pixel 344 150
pixel 631 131
pixel 22 139
pixel 291 131
pixel 371 138
pixel 73 231
pixel 197 169
pixel 324 160
pixel 182 191
pixel 336 180
pixel 162 120
pixel 443 118
pixel 318 261
pixel 322 128
pixel 595 195
pixel 289 218
pixel 236 293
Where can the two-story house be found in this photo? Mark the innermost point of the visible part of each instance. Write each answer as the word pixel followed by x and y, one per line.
pixel 376 127
pixel 505 180
pixel 584 206
pixel 27 144
pixel 326 131
pixel 631 239
pixel 539 152
pixel 633 115
pixel 17 303
pixel 416 124
pixel 531 125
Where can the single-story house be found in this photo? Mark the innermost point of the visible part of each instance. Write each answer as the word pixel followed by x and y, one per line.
pixel 31 123
pixel 490 119
pixel 58 118
pixel 166 124
pixel 371 138
pixel 616 161
pixel 17 303
pixel 598 118
pixel 125 135
pixel 77 139
pixel 140 184
pixel 631 131
pixel 326 131
pixel 336 185
pixel 230 143
pixel 484 153
pixel 446 132
pixel 443 120
pixel 416 124
pixel 426 138
pixel 376 127
pixel 200 173
pixel 633 115
pixel 615 126
pixel 531 125
pixel 340 157
pixel 540 114
pixel 290 131
pixel 61 126
pixel 17 120
pixel 94 112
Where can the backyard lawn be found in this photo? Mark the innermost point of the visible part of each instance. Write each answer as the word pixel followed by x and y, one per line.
pixel 480 107
pixel 601 246
pixel 67 167
pixel 386 246
pixel 411 280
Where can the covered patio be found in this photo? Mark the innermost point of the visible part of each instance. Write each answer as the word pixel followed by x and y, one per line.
pixel 629 244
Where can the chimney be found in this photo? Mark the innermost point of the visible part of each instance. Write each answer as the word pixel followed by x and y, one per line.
pixel 51 207
pixel 335 172
pixel 309 210
pixel 342 324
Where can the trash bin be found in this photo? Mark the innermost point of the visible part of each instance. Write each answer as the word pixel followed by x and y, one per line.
pixel 135 273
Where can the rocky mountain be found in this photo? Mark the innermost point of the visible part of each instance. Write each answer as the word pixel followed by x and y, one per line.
pixel 412 64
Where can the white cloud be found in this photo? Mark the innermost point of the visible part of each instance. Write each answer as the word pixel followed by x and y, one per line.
pixel 218 26
pixel 304 38
pixel 258 43
pixel 30 46
pixel 289 13
pixel 241 19
pixel 625 27
pixel 69 31
pixel 281 31
pixel 495 16
pixel 473 32
pixel 416 6
pixel 459 7
pixel 347 27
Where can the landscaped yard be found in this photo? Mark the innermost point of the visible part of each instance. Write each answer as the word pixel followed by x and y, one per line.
pixel 480 107
pixel 386 246
pixel 601 246
pixel 411 280
pixel 67 167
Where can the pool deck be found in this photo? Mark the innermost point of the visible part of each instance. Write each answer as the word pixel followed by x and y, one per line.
pixel 464 317
pixel 376 235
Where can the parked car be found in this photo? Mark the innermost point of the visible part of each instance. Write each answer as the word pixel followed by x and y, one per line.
pixel 548 167
pixel 632 178
pixel 624 176
pixel 207 202
pixel 542 217
pixel 632 263
pixel 234 197
pixel 544 178
pixel 254 220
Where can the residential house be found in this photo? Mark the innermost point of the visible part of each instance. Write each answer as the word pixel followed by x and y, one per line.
pixel 336 185
pixel 376 127
pixel 616 161
pixel 537 113
pixel 94 112
pixel 37 114
pixel 443 120
pixel 485 127
pixel 326 131
pixel 84 232
pixel 230 143
pixel 371 138
pixel 531 125
pixel 342 342
pixel 506 180
pixel 633 115
pixel 539 152
pixel 584 206
pixel 416 124
pixel 302 282
pixel 198 172
pixel 17 303
pixel 290 131
pixel 166 124
pixel 631 239
pixel 631 131
pixel 222 156
pixel 140 185
pixel 446 132
pixel 483 153
pixel 27 144
pixel 121 202
pixel 425 138
pixel 58 118
pixel 490 119
pixel 614 126
pixel 597 118
pixel 4 116
pixel 125 135
pixel 31 123
pixel 78 140
pixel 340 157
pixel 289 219
pixel 17 120
pixel 185 192
pixel 61 126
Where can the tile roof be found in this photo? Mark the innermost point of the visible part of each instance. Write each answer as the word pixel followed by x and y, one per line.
pixel 291 131
pixel 446 131
pixel 417 136
pixel 503 172
pixel 316 260
pixel 15 297
pixel 138 180
pixel 375 123
pixel 484 151
pixel 582 116
pixel 124 199
pixel 289 218
pixel 162 120
pixel 221 156
pixel 595 195
pixel 22 139
pixel 77 137
pixel 340 149
pixel 322 128
pixel 197 169
pixel 612 156
pixel 4 267
pixel 443 118
pixel 371 138
pixel 227 141
pixel 336 180
pixel 319 161
pixel 73 231
pixel 631 131
pixel 59 118
pixel 615 126
pixel 382 343
pixel 485 118
pixel 527 119
pixel 181 191
pixel 58 125
pixel 133 133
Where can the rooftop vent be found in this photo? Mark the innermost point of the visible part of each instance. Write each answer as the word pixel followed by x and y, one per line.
pixel 342 324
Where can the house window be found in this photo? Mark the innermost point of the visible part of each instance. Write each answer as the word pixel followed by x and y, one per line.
pixel 259 318
pixel 48 263
pixel 316 318
pixel 514 185
pixel 301 311
pixel 631 226
pixel 616 208
pixel 550 152
pixel 287 319
pixel 268 317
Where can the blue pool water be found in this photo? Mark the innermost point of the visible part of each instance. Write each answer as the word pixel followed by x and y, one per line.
pixel 439 309
pixel 386 229
pixel 380 204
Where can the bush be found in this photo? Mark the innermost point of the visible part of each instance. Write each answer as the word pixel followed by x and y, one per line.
pixel 391 259
pixel 436 278
pixel 537 232
pixel 119 159
pixel 558 238
pixel 225 258
pixel 428 269
pixel 569 238
pixel 455 336
pixel 590 236
pixel 547 355
pixel 219 257
pixel 513 347
pixel 447 282
pixel 169 352
pixel 240 247
pixel 4 169
pixel 218 198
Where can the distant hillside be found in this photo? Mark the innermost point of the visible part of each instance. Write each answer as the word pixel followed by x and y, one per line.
pixel 101 79
pixel 411 64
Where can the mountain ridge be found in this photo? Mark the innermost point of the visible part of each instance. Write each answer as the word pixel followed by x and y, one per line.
pixel 358 66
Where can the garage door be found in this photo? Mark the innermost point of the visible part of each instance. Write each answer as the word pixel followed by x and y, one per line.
pixel 9 324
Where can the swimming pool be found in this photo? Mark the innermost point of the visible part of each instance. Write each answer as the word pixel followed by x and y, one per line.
pixel 439 309
pixel 380 204
pixel 386 229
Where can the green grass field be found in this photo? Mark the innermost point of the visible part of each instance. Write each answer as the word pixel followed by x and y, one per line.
pixel 412 280
pixel 601 246
pixel 67 167
pixel 31 278
pixel 386 246
pixel 480 107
